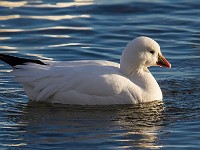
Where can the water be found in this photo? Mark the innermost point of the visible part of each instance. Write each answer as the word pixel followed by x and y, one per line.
pixel 99 29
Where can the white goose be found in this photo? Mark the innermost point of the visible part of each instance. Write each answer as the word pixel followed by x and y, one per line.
pixel 93 82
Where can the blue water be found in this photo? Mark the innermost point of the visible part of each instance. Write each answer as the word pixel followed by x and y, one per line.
pixel 100 29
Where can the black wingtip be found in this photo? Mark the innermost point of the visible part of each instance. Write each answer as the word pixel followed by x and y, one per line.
pixel 14 61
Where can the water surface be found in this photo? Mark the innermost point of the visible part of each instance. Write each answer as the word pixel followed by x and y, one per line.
pixel 100 29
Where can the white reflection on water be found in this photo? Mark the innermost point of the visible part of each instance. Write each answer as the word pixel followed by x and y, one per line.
pixel 46 28
pixel 63 27
pixel 14 145
pixel 5 38
pixel 56 18
pixel 47 5
pixel 56 36
pixel 144 122
pixel 64 4
pixel 12 30
pixel 9 17
pixel 8 47
pixel 68 44
pixel 12 4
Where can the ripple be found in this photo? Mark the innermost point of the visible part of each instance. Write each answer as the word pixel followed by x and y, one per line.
pixel 5 38
pixel 64 27
pixel 64 4
pixel 39 56
pixel 11 30
pixel 12 4
pixel 46 28
pixel 8 47
pixel 9 17
pixel 57 36
pixel 56 18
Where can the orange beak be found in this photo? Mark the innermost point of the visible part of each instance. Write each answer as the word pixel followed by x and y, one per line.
pixel 162 61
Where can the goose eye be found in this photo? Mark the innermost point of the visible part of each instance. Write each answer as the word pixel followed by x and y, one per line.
pixel 152 52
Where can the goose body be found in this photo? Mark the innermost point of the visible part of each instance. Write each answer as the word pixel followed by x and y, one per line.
pixel 93 82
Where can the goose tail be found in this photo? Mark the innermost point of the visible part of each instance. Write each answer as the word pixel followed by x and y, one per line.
pixel 14 61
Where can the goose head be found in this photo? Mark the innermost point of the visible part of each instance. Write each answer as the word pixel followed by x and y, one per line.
pixel 140 53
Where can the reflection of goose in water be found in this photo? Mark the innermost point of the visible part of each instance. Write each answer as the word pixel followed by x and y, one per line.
pixel 142 123
pixel 120 126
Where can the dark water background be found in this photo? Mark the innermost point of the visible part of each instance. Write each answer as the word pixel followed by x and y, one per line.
pixel 100 29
